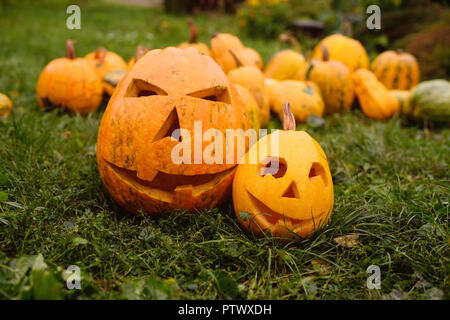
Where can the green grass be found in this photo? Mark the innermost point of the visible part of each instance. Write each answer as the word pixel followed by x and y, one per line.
pixel 391 187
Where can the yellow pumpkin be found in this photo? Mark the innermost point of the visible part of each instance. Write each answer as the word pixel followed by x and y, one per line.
pixel 345 49
pixel 6 106
pixel 250 105
pixel 193 43
pixel 285 65
pixel 252 78
pixel 70 83
pixel 288 193
pixel 222 44
pixel 375 100
pixel 335 82
pixel 303 96
pixel 397 70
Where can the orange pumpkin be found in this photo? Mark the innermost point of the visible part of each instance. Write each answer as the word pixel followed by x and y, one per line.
pixel 254 56
pixel 202 47
pixel 222 44
pixel 397 70
pixel 6 106
pixel 287 193
pixel 105 61
pixel 251 106
pixel 345 49
pixel 70 83
pixel 335 82
pixel 252 78
pixel 166 90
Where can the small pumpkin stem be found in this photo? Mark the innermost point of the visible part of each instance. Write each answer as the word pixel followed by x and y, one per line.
pixel 193 31
pixel 325 52
pixel 238 62
pixel 289 37
pixel 101 55
pixel 288 117
pixel 140 52
pixel 70 49
pixel 308 72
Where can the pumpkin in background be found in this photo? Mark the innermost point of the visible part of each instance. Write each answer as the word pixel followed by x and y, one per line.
pixel 106 61
pixel 288 193
pixel 70 83
pixel 255 57
pixel 345 49
pixel 303 96
pixel 6 106
pixel 202 47
pixel 140 51
pixel 222 44
pixel 402 97
pixel 166 90
pixel 375 100
pixel 397 70
pixel 285 65
pixel 430 100
pixel 335 82
pixel 250 105
pixel 252 78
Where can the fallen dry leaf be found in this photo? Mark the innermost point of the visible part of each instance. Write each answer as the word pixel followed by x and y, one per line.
pixel 348 241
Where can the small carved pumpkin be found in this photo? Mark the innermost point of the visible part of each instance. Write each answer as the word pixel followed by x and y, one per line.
pixel 167 90
pixel 375 100
pixel 6 106
pixel 285 65
pixel 222 44
pixel 294 199
pixel 202 47
pixel 335 82
pixel 345 49
pixel 397 70
pixel 70 83
pixel 252 78
pixel 304 98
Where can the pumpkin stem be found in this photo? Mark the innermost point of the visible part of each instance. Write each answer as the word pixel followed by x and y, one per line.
pixel 325 52
pixel 288 117
pixel 70 49
pixel 101 55
pixel 193 31
pixel 289 37
pixel 140 52
pixel 308 72
pixel 238 62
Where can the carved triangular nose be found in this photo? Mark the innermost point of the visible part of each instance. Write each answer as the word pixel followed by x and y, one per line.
pixel 170 125
pixel 291 191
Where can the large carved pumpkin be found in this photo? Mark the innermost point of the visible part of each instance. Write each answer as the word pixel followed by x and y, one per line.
pixel 167 90
pixel 345 49
pixel 397 70
pixel 335 82
pixel 70 83
pixel 286 193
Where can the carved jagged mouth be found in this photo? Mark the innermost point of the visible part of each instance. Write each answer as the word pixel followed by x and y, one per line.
pixel 168 183
pixel 271 217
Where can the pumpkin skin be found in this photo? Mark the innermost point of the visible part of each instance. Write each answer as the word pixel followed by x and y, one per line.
pixel 430 100
pixel 106 61
pixel 254 56
pixel 252 78
pixel 304 98
pixel 402 97
pixel 6 106
pixel 167 89
pixel 335 82
pixel 397 70
pixel 222 44
pixel 285 65
pixel 345 49
pixel 202 47
pixel 250 105
pixel 376 101
pixel 295 200
pixel 70 83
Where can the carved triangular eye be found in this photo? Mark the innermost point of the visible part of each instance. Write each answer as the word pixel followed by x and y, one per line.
pixel 317 171
pixel 140 88
pixel 291 192
pixel 218 94
pixel 170 125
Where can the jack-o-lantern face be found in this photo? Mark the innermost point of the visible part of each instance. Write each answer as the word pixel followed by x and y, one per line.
pixel 296 198
pixel 167 90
